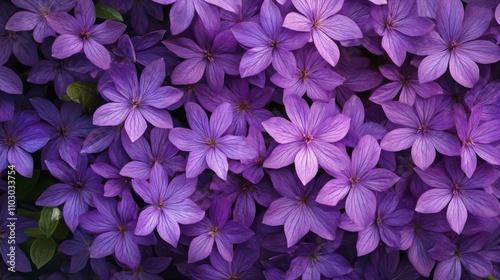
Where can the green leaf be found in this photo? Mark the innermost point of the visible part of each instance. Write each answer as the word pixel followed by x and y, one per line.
pixel 49 219
pixel 107 12
pixel 42 250
pixel 82 93
pixel 35 232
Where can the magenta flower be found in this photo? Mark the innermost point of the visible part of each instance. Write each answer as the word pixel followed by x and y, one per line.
pixel 308 139
pixel 134 102
pixel 79 33
pixel 207 143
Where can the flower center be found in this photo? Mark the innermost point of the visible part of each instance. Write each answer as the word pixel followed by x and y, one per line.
pixel 273 43
pixel 85 35
pixel 317 23
pixel 247 186
pixel 379 220
pixel 213 231
pixel 44 12
pixel 233 277
pixel 354 181
pixel 469 142
pixel 209 55
pixel 304 75
pixel 422 129
pixel 63 131
pixel 456 189
pixel 453 45
pixel 308 138
pixel 242 106
pixel 160 205
pixel 78 185
pixel 135 103
pixel 259 161
pixel 12 34
pixel 303 200
pixel 314 257
pixel 406 79
pixel 122 229
pixel 389 24
pixel 211 142
pixel 11 141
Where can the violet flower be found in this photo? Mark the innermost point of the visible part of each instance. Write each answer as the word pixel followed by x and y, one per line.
pixel 79 33
pixel 208 144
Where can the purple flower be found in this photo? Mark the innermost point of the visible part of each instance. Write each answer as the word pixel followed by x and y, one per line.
pixel 149 268
pixel 108 166
pixel 79 33
pixel 145 156
pixel 477 138
pixel 216 229
pixel 419 237
pixel 312 261
pixel 268 43
pixel 77 190
pixel 78 249
pixel 242 267
pixel 321 20
pixel 35 16
pixel 449 187
pixel 251 169
pixel 67 129
pixel 386 225
pixel 456 44
pixel 134 102
pixel 10 84
pixel 114 223
pixel 182 13
pixel 404 81
pixel 308 139
pixel 465 254
pixel 20 136
pixel 244 194
pixel 353 108
pixel 422 129
pixel 397 24
pixel 358 181
pixel 247 105
pixel 19 43
pixel 169 205
pixel 297 209
pixel 312 76
pixel 213 56
pixel 62 72
pixel 207 143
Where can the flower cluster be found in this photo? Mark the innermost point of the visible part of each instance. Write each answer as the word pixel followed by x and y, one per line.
pixel 252 139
